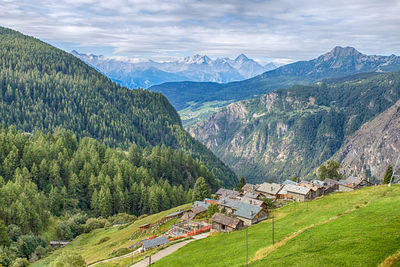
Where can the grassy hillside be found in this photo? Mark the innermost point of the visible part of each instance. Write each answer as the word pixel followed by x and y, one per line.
pixel 92 250
pixel 358 228
pixel 43 88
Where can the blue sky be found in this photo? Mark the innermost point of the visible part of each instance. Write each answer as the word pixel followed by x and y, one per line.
pixel 283 31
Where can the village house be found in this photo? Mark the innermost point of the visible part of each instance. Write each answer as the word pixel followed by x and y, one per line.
pixel 316 189
pixel 249 214
pixel 252 201
pixel 295 192
pixel 155 242
pixel 353 183
pixel 249 188
pixel 226 193
pixel 332 185
pixel 269 189
pixel 197 208
pixel 225 223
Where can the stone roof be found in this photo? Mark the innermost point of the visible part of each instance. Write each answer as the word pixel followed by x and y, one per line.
pixel 241 209
pixel 199 209
pixel 330 182
pixel 302 190
pixel 249 187
pixel 268 188
pixel 225 220
pixel 289 182
pixel 201 204
pixel 155 242
pixel 251 201
pixel 227 193
pixel 251 195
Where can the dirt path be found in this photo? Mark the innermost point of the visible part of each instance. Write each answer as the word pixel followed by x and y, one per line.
pixel 165 252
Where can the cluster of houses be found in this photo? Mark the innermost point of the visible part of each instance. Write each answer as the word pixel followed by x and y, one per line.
pixel 239 209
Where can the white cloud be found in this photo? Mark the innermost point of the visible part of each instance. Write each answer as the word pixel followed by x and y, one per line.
pixel 281 30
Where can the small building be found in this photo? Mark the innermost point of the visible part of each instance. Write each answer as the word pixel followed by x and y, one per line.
pixel 253 195
pixel 249 188
pixel 316 189
pixel 144 227
pixel 155 242
pixel 289 182
pixel 225 223
pixel 196 210
pixel 331 185
pixel 252 201
pixel 248 213
pixel 295 192
pixel 227 193
pixel 353 183
pixel 269 189
pixel 58 244
pixel 174 215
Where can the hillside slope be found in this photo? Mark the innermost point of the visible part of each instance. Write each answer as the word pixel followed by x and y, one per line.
pixel 358 228
pixel 291 132
pixel 44 88
pixel 373 147
pixel 341 61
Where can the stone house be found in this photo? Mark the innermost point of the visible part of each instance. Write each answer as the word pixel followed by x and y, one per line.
pixel 225 223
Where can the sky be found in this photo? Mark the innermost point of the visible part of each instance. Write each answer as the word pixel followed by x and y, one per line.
pixel 272 30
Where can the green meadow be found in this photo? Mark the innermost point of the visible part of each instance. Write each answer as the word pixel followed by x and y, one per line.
pixel 359 228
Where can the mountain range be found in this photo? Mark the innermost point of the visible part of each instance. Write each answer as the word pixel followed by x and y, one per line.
pixel 135 73
pixel 291 132
pixel 340 61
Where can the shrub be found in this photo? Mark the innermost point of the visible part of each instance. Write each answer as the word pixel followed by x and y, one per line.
pixel 20 262
pixel 104 239
pixel 120 252
pixel 68 259
pixel 121 218
pixel 94 223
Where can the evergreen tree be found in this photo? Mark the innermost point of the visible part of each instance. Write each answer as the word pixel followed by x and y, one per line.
pixel 241 183
pixel 201 189
pixel 4 240
pixel 388 174
pixel 330 170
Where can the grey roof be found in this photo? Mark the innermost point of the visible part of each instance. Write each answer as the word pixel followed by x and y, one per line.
pixel 251 201
pixel 249 187
pixel 199 209
pixel 241 209
pixel 227 193
pixel 268 188
pixel 201 204
pixel 225 220
pixel 289 182
pixel 155 242
pixel 330 181
pixel 179 212
pixel 351 180
pixel 294 189
pixel 251 195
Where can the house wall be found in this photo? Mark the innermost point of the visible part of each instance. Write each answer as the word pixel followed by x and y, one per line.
pixel 219 227
pixel 296 197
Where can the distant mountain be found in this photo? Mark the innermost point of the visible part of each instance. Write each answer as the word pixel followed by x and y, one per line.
pixel 341 61
pixel 44 88
pixel 291 132
pixel 134 73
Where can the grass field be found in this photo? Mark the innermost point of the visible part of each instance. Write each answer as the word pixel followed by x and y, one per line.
pixel 359 228
pixel 197 112
pixel 92 251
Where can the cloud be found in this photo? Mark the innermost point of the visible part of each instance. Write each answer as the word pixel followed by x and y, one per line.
pixel 282 31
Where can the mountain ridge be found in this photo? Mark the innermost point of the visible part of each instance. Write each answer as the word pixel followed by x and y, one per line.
pixel 132 72
pixel 340 61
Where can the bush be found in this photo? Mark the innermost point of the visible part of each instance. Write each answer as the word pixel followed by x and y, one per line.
pixel 104 239
pixel 27 244
pixel 68 259
pixel 120 252
pixel 20 262
pixel 64 231
pixel 121 218
pixel 14 232
pixel 94 223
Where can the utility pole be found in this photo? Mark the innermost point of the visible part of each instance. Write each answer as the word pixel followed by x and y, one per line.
pixel 150 260
pixel 273 232
pixel 247 254
pixel 295 212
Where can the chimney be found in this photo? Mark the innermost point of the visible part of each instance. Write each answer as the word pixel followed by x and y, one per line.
pixel 251 213
pixel 251 202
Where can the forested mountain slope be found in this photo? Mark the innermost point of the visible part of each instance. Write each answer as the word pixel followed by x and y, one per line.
pixel 43 87
pixel 341 61
pixel 291 132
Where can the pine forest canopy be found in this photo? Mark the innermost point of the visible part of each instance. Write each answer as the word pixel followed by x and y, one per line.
pixel 44 88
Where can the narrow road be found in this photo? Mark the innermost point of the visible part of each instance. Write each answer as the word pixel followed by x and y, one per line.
pixel 165 252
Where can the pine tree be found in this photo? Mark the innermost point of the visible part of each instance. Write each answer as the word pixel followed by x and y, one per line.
pixel 241 183
pixel 388 174
pixel 201 189
pixel 4 240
